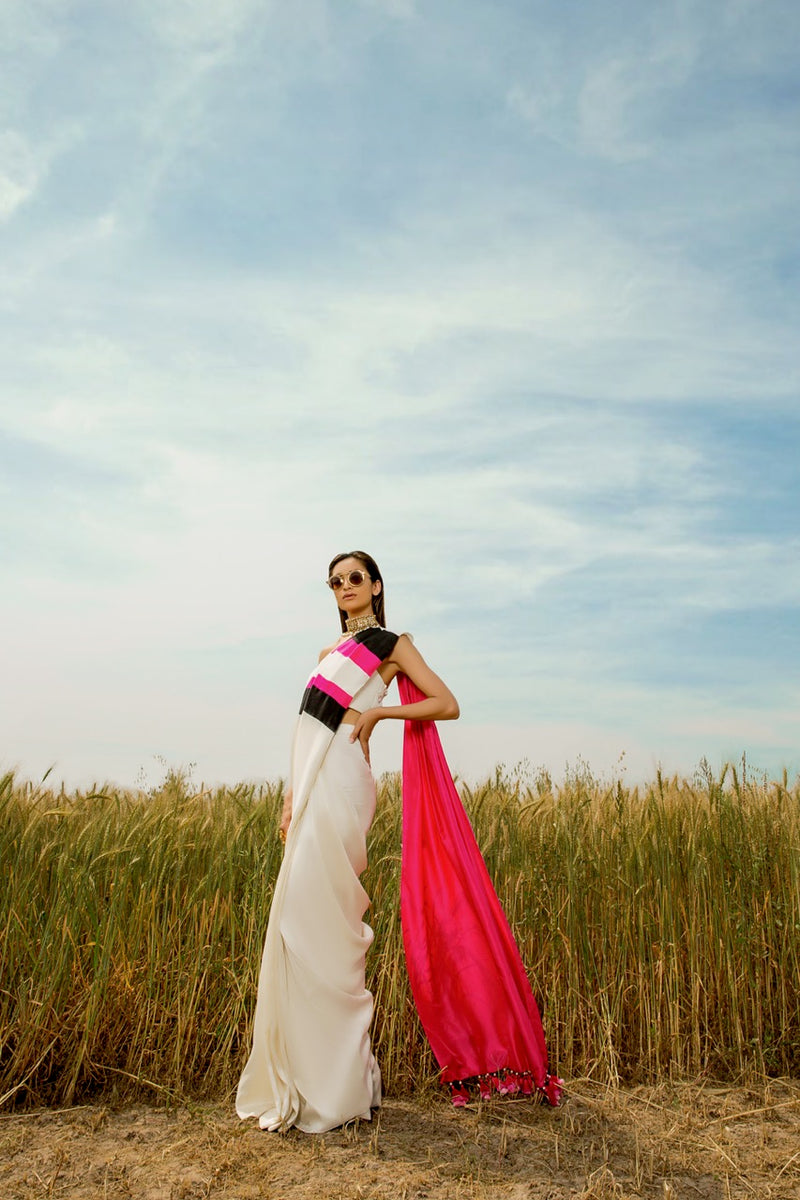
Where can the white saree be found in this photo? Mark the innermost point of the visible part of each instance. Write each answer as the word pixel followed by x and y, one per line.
pixel 311 1064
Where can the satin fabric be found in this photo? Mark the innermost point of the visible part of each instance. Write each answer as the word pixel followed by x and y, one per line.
pixel 468 980
pixel 311 1065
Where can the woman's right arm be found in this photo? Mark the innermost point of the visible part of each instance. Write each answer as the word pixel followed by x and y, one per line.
pixel 439 704
pixel 286 814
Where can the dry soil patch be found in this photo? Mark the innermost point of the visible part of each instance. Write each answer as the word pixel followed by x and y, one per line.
pixel 676 1143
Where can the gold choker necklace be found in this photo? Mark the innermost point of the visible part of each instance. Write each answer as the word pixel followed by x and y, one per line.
pixel 356 624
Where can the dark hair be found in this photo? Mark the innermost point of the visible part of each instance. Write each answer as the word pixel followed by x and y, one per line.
pixel 373 570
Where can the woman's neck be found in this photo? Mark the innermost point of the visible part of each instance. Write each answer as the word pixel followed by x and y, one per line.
pixel 365 620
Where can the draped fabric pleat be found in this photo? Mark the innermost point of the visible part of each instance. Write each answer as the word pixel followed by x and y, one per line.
pixel 311 1064
pixel 467 977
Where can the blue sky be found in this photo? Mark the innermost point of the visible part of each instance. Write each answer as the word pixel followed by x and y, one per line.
pixel 504 293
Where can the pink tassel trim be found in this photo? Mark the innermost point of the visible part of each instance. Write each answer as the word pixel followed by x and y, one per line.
pixel 506 1083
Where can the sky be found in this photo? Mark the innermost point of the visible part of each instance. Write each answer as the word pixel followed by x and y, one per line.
pixel 505 293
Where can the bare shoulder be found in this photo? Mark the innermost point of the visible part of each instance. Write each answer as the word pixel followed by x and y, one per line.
pixel 324 653
pixel 405 652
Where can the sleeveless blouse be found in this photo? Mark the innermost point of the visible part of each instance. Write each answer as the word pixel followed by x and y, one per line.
pixel 370 695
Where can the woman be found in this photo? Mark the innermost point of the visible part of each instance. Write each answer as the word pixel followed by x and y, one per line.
pixel 311 1065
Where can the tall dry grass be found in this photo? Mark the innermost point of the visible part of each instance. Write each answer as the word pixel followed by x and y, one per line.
pixel 660 926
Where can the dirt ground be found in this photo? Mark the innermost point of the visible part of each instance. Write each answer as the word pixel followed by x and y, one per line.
pixel 674 1143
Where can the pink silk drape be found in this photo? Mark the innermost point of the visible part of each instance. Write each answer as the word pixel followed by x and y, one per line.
pixel 467 977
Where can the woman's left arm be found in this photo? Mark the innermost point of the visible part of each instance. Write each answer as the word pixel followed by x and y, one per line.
pixel 439 705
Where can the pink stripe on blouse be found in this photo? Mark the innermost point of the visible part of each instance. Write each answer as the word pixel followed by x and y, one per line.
pixel 360 655
pixel 331 689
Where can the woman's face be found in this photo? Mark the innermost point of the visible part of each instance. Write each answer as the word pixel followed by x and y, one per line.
pixel 353 599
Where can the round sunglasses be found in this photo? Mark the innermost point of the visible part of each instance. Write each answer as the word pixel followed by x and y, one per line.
pixel 354 578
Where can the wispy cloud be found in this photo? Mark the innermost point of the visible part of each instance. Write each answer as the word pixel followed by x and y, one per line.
pixel 393 8
pixel 19 173
pixel 510 302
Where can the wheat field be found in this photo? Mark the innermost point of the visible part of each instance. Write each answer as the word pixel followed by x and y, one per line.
pixel 660 925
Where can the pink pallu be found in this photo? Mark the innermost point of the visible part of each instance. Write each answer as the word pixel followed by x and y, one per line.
pixel 467 977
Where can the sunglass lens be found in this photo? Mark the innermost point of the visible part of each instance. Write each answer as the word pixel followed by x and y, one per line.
pixel 335 582
pixel 356 578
